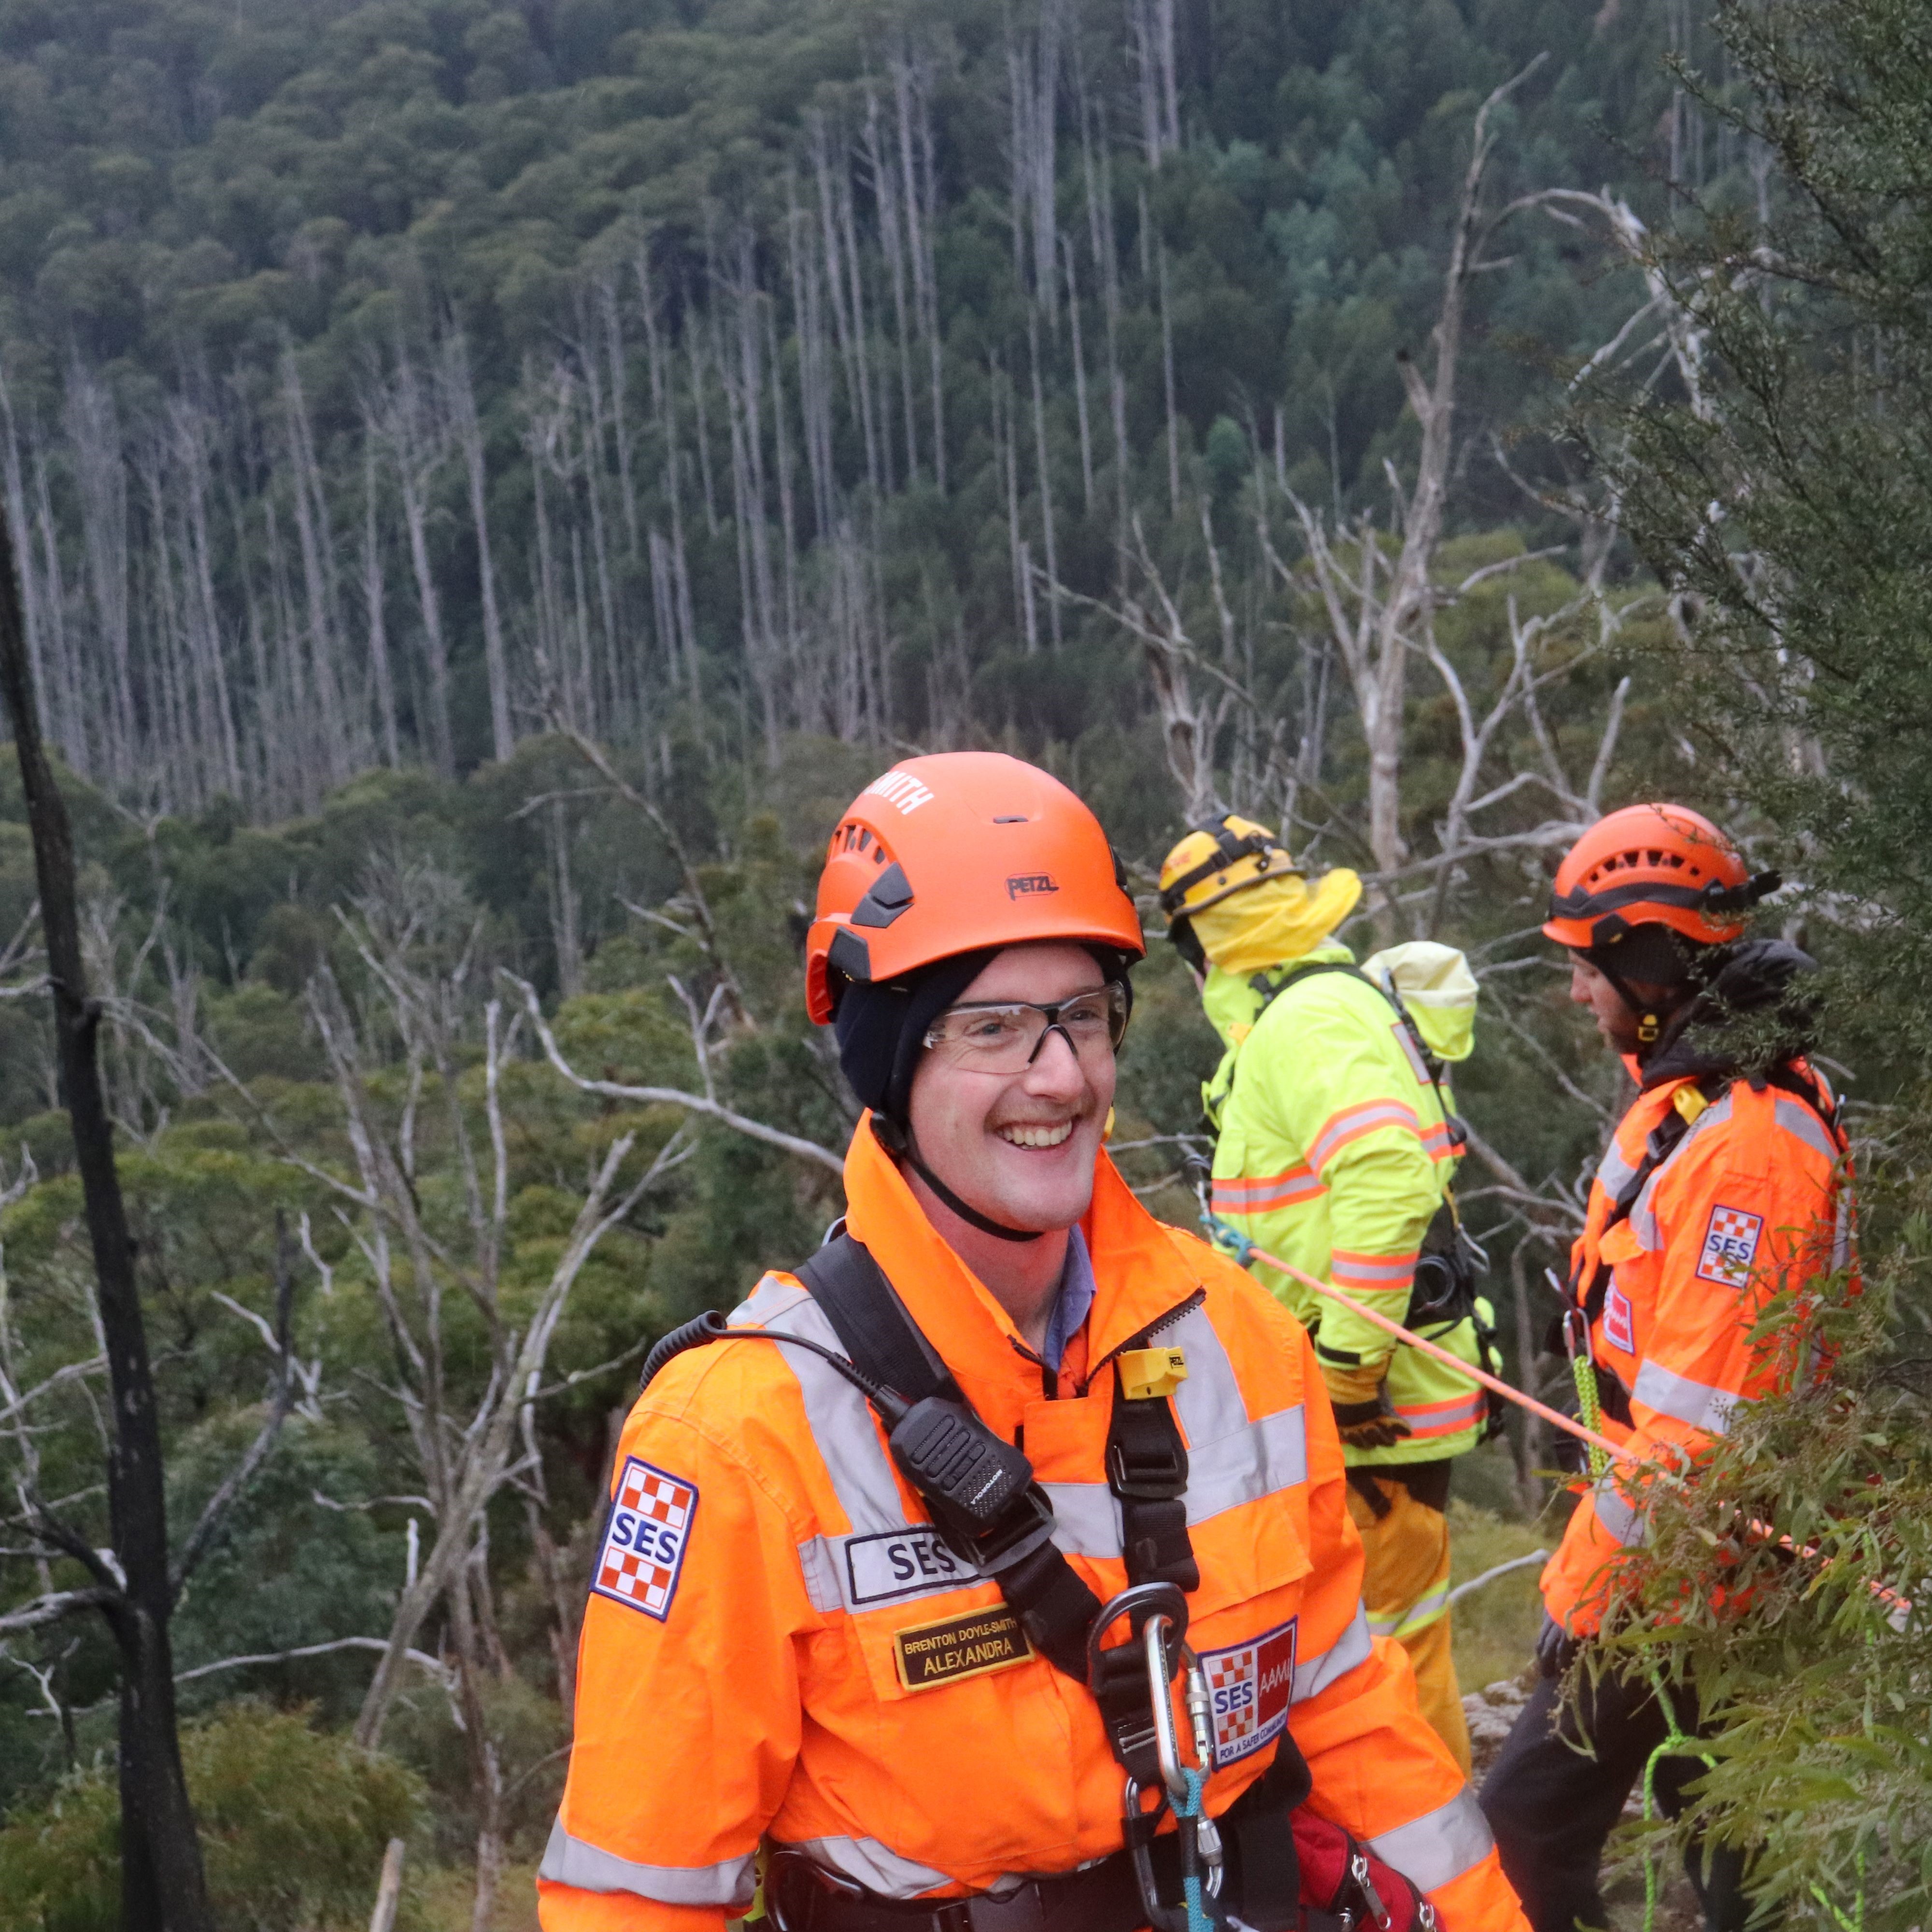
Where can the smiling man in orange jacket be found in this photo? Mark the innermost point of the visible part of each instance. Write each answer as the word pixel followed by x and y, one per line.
pixel 861 1627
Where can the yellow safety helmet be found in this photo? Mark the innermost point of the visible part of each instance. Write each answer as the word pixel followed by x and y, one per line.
pixel 1219 856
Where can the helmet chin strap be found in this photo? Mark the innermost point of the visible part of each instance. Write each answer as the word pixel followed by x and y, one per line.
pixel 898 1141
pixel 1649 1021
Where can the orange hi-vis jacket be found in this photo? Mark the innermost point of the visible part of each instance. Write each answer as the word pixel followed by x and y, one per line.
pixel 753 1677
pixel 1752 1201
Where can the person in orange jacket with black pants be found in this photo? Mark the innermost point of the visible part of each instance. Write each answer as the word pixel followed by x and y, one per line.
pixel 846 1634
pixel 1725 1185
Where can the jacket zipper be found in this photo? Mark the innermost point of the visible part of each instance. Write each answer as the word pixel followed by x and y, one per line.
pixel 1139 1339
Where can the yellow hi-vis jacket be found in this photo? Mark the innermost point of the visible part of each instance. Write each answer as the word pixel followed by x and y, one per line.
pixel 1334 1152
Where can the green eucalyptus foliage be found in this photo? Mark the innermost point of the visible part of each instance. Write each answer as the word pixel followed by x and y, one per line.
pixel 1785 502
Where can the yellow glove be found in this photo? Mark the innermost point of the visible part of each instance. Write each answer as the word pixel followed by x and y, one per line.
pixel 1364 1416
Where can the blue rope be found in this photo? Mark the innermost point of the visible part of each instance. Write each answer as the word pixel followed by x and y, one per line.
pixel 1185 1813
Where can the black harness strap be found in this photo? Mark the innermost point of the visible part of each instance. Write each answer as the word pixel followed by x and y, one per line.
pixel 1431 1060
pixel 1147 1470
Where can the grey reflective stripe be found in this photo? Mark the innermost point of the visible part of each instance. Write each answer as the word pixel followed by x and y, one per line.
pixel 1798 1119
pixel 876 1867
pixel 765 1302
pixel 1086 1519
pixel 1643 1218
pixel 1614 1172
pixel 1624 1520
pixel 568 1861
pixel 1423 1612
pixel 1697 1403
pixel 1231 1460
pixel 1265 1458
pixel 840 1417
pixel 818 1562
pixel 1438 1848
pixel 1313 1675
pixel 847 1439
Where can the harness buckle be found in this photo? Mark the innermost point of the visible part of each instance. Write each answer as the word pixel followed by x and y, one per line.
pixel 1150 1471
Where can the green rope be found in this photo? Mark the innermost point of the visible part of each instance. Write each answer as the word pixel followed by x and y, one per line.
pixel 1856 1922
pixel 1590 1410
pixel 1677 1743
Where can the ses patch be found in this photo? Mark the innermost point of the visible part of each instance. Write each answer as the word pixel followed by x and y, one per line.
pixel 897 1563
pixel 1730 1246
pixel 1250 1685
pixel 1619 1328
pixel 645 1540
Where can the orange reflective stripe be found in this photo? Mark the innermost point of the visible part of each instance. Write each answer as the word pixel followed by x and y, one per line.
pixel 1267 1193
pixel 1428 1419
pixel 1438 1143
pixel 1350 1123
pixel 1371 1271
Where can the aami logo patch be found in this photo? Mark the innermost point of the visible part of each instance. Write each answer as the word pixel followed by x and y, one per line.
pixel 1025 885
pixel 1251 1684
pixel 1619 1328
pixel 1730 1245
pixel 901 1563
pixel 645 1540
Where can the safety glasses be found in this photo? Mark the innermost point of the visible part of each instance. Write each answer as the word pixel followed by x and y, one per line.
pixel 1005 1037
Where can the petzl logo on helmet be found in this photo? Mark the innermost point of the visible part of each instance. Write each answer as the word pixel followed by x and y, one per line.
pixel 900 789
pixel 1026 884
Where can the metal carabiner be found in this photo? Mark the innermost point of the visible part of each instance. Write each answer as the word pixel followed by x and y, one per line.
pixel 1160 1699
pixel 1139 1605
pixel 1576 1336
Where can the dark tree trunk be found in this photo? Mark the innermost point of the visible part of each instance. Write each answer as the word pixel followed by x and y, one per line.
pixel 163 1887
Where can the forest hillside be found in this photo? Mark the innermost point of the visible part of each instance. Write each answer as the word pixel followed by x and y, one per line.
pixel 489 482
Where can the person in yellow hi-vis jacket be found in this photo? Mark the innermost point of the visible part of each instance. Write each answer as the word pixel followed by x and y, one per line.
pixel 1335 1142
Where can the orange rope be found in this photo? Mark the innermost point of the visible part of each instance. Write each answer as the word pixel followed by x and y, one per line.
pixel 1899 1607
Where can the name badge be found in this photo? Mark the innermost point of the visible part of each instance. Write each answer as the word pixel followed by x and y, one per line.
pixel 930 1654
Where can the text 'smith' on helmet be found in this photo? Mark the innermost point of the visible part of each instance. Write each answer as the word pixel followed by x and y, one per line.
pixel 954 852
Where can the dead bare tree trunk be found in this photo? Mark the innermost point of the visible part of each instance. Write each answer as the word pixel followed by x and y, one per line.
pixel 461 402
pixel 1379 609
pixel 162 1881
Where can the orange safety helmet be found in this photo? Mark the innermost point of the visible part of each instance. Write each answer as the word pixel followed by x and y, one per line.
pixel 953 853
pixel 1653 865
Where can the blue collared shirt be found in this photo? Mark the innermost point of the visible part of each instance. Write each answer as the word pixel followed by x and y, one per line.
pixel 1070 1305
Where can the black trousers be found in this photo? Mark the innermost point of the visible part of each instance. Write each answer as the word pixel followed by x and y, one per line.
pixel 1552 1807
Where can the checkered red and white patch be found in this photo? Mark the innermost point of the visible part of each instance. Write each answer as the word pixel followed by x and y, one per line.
pixel 1250 1685
pixel 1730 1245
pixel 645 1539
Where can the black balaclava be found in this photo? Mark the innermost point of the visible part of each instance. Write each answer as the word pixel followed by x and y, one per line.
pixel 1660 957
pixel 881 1028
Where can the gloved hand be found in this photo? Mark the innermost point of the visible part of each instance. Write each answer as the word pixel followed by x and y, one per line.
pixel 1369 1425
pixel 1556 1649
